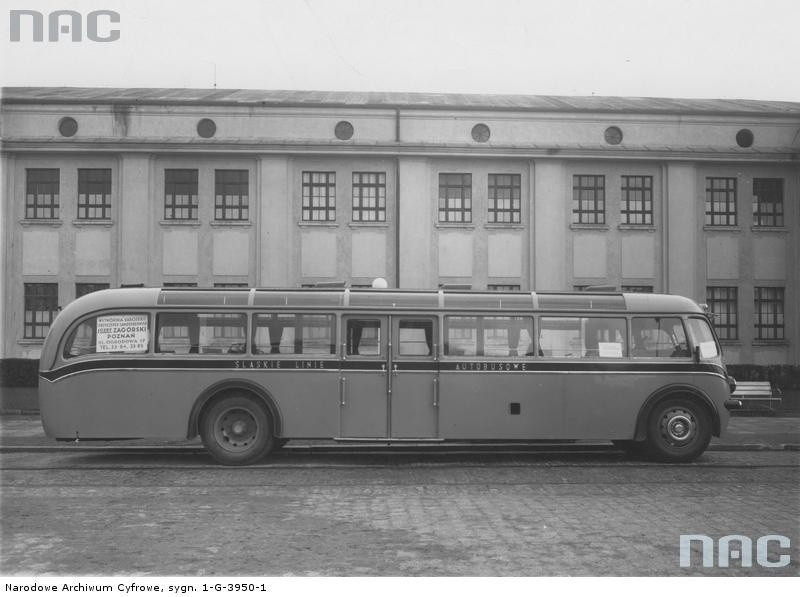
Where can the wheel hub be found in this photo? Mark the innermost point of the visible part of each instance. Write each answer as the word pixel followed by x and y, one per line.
pixel 236 429
pixel 678 426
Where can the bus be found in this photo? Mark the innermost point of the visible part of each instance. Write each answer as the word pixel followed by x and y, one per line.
pixel 250 369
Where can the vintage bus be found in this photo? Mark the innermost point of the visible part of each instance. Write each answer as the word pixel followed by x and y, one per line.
pixel 249 369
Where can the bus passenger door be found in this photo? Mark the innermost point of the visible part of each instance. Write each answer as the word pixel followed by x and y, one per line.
pixel 364 379
pixel 414 395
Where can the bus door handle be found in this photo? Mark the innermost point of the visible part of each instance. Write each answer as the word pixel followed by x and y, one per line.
pixel 435 392
pixel 383 368
pixel 343 390
pixel 394 369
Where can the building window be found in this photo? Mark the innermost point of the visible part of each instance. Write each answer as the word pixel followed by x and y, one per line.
pixel 84 288
pixel 455 198
pixel 769 322
pixel 637 200
pixel 504 287
pixel 723 302
pixel 505 203
pixel 369 196
pixel 231 195
pixel 41 306
pixel 94 194
pixel 179 285
pixel 768 202
pixel 588 199
pixel 180 194
pixel 637 288
pixel 720 201
pixel 42 194
pixel 319 196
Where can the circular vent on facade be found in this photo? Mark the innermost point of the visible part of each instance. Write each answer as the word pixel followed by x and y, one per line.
pixel 613 135
pixel 344 130
pixel 481 133
pixel 744 138
pixel 67 126
pixel 206 128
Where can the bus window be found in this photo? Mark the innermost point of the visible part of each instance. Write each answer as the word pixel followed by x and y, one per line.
pixel 364 337
pixel 703 338
pixel 583 337
pixel 507 336
pixel 308 334
pixel 416 338
pixel 461 337
pixel 503 337
pixel 119 333
pixel 660 337
pixel 201 333
pixel 606 337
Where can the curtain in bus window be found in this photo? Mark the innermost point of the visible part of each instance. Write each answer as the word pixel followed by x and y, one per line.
pixel 658 337
pixel 294 334
pixel 416 338
pixel 201 333
pixel 487 336
pixel 173 333
pixel 364 337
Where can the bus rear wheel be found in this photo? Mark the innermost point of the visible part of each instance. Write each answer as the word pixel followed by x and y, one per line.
pixel 236 430
pixel 678 430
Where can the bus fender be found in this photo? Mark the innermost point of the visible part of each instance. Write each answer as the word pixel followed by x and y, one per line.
pixel 233 384
pixel 674 391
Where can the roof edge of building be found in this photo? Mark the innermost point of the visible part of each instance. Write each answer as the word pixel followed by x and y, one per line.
pixel 394 100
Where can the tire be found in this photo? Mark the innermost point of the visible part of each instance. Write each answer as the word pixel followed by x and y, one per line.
pixel 678 430
pixel 236 430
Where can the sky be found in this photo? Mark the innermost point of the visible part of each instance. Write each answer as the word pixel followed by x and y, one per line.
pixel 746 49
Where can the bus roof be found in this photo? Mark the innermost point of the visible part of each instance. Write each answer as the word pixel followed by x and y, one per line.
pixel 378 299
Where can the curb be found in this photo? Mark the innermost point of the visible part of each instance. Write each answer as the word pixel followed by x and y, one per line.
pixel 323 449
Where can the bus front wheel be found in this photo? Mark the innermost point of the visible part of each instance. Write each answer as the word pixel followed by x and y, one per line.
pixel 678 430
pixel 236 430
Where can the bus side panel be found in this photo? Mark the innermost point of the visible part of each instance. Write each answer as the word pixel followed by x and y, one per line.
pixel 605 406
pixel 500 405
pixel 113 404
pixel 152 403
pixel 307 400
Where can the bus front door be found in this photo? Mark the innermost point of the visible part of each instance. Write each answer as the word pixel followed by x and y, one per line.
pixel 414 393
pixel 364 380
pixel 389 377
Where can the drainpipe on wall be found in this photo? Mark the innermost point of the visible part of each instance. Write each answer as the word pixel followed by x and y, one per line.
pixel 397 201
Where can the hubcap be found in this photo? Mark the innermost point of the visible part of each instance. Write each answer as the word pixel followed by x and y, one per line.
pixel 236 429
pixel 678 426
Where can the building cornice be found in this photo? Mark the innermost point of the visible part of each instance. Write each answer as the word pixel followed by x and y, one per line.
pixel 219 147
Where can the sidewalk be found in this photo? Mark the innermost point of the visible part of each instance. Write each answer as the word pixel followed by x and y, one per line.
pixel 744 433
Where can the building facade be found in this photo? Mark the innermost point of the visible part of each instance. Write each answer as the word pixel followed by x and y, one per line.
pixel 112 187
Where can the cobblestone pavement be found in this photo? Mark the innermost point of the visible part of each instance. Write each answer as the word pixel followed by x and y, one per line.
pixel 162 513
